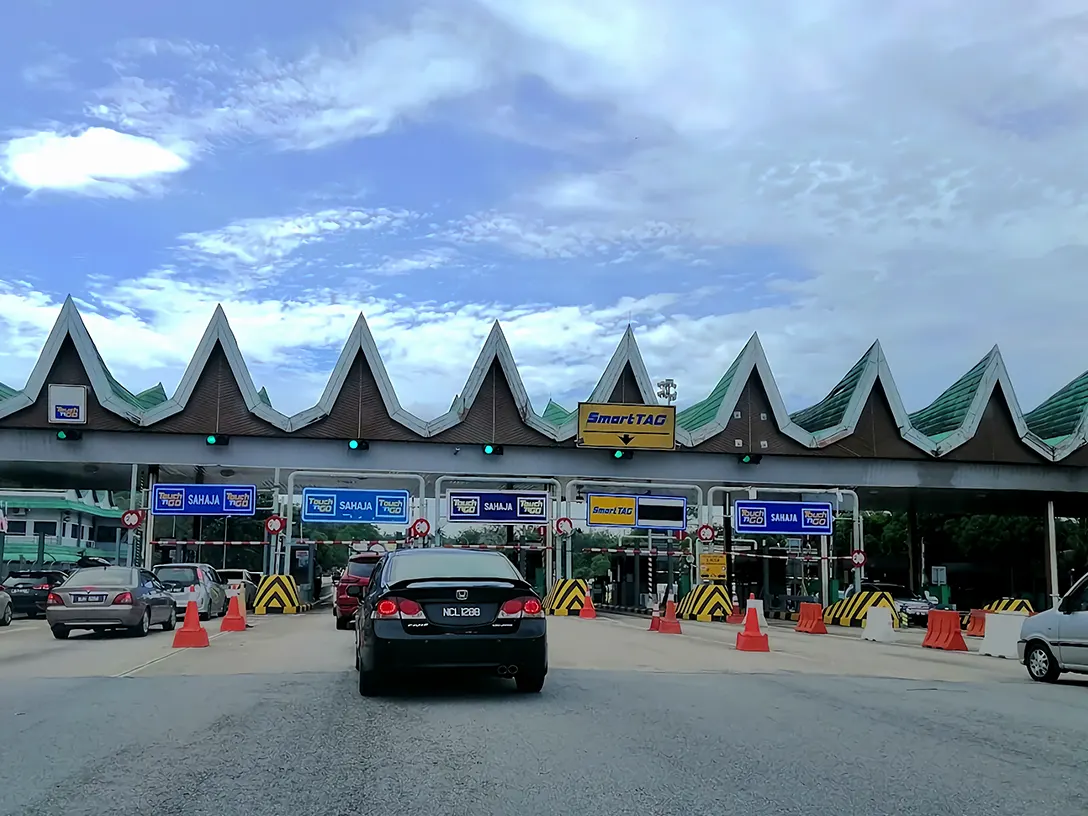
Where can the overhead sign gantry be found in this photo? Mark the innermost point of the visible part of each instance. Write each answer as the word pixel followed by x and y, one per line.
pixel 626 427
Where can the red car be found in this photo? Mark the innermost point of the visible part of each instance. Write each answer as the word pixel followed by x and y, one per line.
pixel 357 572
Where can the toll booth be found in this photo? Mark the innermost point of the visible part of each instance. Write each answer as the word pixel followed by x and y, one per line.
pixel 300 563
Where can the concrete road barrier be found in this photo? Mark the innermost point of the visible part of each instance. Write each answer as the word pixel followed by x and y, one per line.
pixel 1001 634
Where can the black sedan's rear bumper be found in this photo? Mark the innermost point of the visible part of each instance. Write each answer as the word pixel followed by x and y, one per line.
pixel 393 650
pixel 32 602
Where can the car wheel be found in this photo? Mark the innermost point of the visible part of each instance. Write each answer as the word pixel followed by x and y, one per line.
pixel 143 627
pixel 530 683
pixel 61 632
pixel 1042 667
pixel 172 621
pixel 207 613
pixel 370 682
pixel 5 618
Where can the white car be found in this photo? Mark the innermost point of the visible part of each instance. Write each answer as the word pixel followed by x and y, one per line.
pixel 199 582
pixel 1056 640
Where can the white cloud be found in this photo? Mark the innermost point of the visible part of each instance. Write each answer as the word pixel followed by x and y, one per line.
pixel 96 162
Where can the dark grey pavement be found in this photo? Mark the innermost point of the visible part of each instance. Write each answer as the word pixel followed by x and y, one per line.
pixel 595 742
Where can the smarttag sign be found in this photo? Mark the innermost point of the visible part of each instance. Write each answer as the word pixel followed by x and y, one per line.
pixel 640 512
pixel 68 404
pixel 499 506
pixel 325 504
pixel 614 425
pixel 783 518
pixel 203 500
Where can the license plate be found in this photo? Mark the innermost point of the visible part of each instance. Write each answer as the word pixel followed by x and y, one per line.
pixel 20 591
pixel 88 598
pixel 461 612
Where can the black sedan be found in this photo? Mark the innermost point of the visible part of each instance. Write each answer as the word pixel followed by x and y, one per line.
pixel 449 609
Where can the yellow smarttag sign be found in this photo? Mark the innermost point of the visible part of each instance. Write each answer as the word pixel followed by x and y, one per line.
pixel 619 425
pixel 610 511
pixel 712 566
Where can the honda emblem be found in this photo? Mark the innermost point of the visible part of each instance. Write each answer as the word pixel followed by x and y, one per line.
pixel 462 594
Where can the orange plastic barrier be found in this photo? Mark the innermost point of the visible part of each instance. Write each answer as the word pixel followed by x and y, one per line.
pixel 943 631
pixel 669 624
pixel 976 624
pixel 191 635
pixel 589 611
pixel 655 620
pixel 811 619
pixel 750 638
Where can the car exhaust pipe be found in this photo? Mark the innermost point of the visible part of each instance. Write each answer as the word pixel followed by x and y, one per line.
pixel 504 671
pixel 512 670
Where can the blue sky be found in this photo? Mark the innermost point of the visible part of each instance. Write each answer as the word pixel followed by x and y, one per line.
pixel 824 176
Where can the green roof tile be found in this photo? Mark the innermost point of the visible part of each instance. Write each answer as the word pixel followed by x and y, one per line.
pixel 557 414
pixel 155 395
pixel 7 392
pixel 697 415
pixel 947 413
pixel 262 395
pixel 1059 416
pixel 829 412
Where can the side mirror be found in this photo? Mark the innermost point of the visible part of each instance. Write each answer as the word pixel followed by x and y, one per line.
pixel 354 591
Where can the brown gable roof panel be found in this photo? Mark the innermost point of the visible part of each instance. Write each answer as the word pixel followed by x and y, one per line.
pixel 493 416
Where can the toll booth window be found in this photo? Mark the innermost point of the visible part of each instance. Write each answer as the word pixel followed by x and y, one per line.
pixel 361 569
pixel 48 528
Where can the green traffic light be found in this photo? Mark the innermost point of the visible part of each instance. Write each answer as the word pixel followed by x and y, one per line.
pixel 489 449
pixel 211 440
pixel 353 444
pixel 62 435
pixel 618 454
pixel 746 459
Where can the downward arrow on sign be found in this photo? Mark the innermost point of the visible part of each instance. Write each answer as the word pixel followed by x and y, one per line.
pixel 627 439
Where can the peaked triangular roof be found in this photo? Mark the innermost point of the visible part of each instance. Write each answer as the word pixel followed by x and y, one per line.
pixel 626 354
pixel 710 416
pixel 495 350
pixel 836 416
pixel 1061 420
pixel 360 341
pixel 953 418
pixel 218 333
pixel 110 394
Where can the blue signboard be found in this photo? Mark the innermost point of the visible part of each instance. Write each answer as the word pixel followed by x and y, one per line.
pixel 203 500
pixel 360 506
pixel 499 506
pixel 783 518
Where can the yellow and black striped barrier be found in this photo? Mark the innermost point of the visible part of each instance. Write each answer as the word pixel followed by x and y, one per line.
pixel 567 597
pixel 852 611
pixel 278 595
pixel 705 602
pixel 1000 605
pixel 781 614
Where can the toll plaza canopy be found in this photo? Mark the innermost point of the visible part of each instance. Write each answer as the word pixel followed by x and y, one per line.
pixel 974 442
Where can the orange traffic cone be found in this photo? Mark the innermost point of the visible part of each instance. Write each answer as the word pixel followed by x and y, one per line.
pixel 235 619
pixel 735 615
pixel 669 624
pixel 655 620
pixel 750 639
pixel 191 635
pixel 589 612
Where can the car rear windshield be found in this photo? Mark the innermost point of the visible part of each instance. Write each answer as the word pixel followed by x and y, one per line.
pixel 100 576
pixel 176 576
pixel 32 577
pixel 361 569
pixel 436 565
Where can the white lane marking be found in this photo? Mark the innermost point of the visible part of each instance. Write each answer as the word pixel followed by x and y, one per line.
pixel 161 658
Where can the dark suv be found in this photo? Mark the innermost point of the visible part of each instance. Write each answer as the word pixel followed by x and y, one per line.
pixel 357 571
pixel 29 589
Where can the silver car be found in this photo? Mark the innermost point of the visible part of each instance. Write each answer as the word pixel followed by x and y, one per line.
pixel 100 598
pixel 198 582
pixel 1056 640
pixel 5 608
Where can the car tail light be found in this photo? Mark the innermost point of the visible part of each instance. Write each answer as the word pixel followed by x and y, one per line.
pixel 124 599
pixel 54 600
pixel 42 587
pixel 398 608
pixel 527 607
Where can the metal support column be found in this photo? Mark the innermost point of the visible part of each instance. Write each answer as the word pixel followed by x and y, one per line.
pixel 1052 589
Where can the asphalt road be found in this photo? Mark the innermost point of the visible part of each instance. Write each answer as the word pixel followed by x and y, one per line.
pixel 269 722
